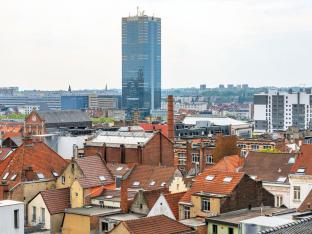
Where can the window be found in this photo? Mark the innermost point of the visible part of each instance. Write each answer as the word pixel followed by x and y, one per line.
pixel 40 176
pixel 186 211
pixel 254 147
pixel 42 215
pixel 205 204
pixel 228 179
pixel 152 183
pixel 5 176
pixel 278 200
pixel 214 229
pixel 119 169
pixel 16 218
pixel 195 158
pixel 55 174
pixel 13 177
pixel 104 226
pixel 34 216
pixel 209 159
pixel 231 230
pixel 136 183
pixel 182 158
pixel 102 178
pixel 63 179
pixel 297 193
pixel 210 177
pixel 281 179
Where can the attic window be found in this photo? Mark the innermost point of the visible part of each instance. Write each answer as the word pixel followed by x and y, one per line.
pixel 281 179
pixel 54 173
pixel 102 178
pixel 5 176
pixel 291 160
pixel 13 177
pixel 163 184
pixel 136 183
pixel 40 176
pixel 210 177
pixel 152 183
pixel 228 179
pixel 300 170
pixel 119 168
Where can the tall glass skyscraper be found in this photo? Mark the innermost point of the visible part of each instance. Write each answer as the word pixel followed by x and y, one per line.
pixel 141 63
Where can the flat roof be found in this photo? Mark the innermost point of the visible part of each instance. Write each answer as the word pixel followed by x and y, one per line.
pixel 9 203
pixel 219 121
pixel 124 217
pixel 92 211
pixel 193 222
pixel 266 221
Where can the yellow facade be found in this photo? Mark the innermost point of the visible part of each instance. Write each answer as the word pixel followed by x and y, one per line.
pixel 177 185
pixel 120 229
pixel 74 224
pixel 69 175
pixel 222 229
pixel 76 195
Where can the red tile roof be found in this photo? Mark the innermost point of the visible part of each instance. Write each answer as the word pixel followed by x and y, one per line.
pixel 36 158
pixel 173 202
pixel 152 196
pixel 304 160
pixel 156 224
pixel 4 152
pixel 214 186
pixel 56 200
pixel 92 168
pixel 229 163
pixel 145 175
pixel 268 166
pixel 152 127
pixel 118 169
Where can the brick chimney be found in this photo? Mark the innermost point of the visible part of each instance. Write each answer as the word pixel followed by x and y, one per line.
pixel 124 196
pixel 170 119
pixel 4 189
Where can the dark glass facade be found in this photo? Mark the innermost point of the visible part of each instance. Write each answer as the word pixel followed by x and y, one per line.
pixel 74 102
pixel 141 63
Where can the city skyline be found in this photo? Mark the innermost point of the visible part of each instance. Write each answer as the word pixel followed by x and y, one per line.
pixel 45 45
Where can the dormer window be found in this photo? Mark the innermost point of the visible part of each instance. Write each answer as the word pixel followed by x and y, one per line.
pixel 227 179
pixel 102 178
pixel 5 176
pixel 210 177
pixel 163 184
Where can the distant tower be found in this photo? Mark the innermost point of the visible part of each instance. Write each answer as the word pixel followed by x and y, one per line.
pixel 69 89
pixel 106 87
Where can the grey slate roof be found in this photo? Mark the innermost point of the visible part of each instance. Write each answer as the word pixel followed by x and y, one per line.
pixel 303 226
pixel 64 116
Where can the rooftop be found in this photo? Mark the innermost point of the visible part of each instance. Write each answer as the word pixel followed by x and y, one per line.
pixel 93 211
pixel 219 121
pixel 10 203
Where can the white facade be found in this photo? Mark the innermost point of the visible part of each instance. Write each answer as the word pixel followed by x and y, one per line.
pixel 301 182
pixel 26 110
pixel 266 109
pixel 281 193
pixel 161 207
pixel 38 213
pixel 11 217
pixel 65 145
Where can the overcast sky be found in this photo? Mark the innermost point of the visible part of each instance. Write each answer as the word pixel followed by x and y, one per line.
pixel 49 44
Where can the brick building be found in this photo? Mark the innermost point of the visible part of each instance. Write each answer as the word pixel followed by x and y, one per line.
pixel 132 146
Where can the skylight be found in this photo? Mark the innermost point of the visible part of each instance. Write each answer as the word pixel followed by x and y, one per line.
pixel 210 177
pixel 281 179
pixel 228 179
pixel 291 160
pixel 109 196
pixel 152 183
pixel 253 177
pixel 54 173
pixel 13 177
pixel 119 168
pixel 163 184
pixel 40 176
pixel 136 183
pixel 300 170
pixel 102 178
pixel 5 176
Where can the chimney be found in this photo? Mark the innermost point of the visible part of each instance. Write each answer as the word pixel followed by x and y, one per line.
pixel 124 195
pixel 4 189
pixel 170 120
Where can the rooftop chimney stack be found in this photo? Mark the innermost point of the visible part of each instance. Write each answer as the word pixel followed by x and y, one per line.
pixel 124 195
pixel 170 120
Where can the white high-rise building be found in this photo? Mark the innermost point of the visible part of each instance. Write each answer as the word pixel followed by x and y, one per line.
pixel 280 110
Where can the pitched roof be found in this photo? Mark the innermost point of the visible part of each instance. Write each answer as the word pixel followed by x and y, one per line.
pixel 56 200
pixel 58 116
pixel 152 196
pixel 40 161
pixel 173 202
pixel 151 177
pixel 215 185
pixel 229 163
pixel 303 226
pixel 269 167
pixel 4 152
pixel 155 224
pixel 152 127
pixel 304 160
pixel 306 205
pixel 118 169
pixel 93 168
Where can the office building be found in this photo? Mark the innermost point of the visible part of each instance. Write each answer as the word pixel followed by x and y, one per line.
pixel 275 111
pixel 141 63
pixel 74 102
